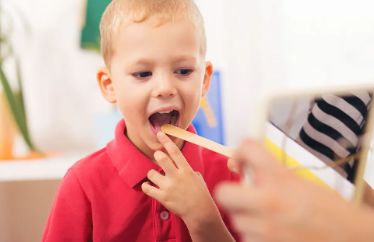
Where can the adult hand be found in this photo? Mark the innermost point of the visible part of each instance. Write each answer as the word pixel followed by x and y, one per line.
pixel 279 206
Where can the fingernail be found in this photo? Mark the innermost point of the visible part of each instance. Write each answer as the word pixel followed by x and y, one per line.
pixel 161 135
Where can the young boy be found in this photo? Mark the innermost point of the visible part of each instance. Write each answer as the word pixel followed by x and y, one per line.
pixel 141 187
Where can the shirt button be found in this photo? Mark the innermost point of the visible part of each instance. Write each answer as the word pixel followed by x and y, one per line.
pixel 164 215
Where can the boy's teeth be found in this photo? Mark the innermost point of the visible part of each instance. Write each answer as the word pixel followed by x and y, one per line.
pixel 162 112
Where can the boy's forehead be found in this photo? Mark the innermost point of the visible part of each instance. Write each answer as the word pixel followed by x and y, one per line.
pixel 153 36
pixel 157 26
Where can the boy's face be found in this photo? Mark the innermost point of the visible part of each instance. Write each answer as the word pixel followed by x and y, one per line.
pixel 155 69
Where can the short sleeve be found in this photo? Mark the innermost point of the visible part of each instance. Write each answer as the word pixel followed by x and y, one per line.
pixel 71 217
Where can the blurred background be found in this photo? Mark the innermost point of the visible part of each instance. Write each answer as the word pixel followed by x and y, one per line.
pixel 254 45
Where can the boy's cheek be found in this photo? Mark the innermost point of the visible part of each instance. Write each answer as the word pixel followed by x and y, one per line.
pixel 131 106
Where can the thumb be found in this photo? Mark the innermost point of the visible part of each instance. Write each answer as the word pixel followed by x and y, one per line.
pixel 255 156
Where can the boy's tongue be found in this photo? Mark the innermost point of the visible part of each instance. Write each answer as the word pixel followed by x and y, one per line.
pixel 158 119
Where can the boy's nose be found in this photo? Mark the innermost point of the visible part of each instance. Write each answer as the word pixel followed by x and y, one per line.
pixel 165 88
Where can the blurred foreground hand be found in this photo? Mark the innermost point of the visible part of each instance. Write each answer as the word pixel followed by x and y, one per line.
pixel 279 206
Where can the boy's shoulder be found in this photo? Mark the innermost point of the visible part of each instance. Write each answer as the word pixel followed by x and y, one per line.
pixel 92 160
pixel 90 166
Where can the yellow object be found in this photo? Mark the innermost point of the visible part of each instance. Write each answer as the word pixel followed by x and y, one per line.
pixel 279 154
pixel 208 111
pixel 8 130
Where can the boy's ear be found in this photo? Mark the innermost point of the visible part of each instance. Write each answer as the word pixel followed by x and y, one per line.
pixel 207 77
pixel 106 84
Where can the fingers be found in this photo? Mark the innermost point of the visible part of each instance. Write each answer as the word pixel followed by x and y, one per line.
pixel 237 198
pixel 256 156
pixel 152 191
pixel 156 178
pixel 173 151
pixel 165 162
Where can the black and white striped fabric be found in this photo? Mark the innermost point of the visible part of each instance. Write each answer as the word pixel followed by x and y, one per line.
pixel 334 127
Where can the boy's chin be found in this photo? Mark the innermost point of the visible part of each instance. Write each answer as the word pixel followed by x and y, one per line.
pixel 156 146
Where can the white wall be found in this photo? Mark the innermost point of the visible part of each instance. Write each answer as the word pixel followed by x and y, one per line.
pixel 328 41
pixel 249 59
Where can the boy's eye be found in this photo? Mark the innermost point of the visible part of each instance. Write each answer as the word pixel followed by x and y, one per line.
pixel 184 72
pixel 142 74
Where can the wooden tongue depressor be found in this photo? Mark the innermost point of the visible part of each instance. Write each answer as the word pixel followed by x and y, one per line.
pixel 197 140
pixel 203 142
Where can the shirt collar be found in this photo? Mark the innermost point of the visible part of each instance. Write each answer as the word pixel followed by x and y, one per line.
pixel 133 166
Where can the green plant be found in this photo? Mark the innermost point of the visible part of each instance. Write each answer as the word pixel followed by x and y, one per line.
pixel 15 99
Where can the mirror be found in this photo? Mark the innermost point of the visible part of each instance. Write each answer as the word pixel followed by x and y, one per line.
pixel 327 134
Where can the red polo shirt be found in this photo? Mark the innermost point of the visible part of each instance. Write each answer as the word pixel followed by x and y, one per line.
pixel 100 197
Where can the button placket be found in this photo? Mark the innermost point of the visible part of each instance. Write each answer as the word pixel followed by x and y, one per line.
pixel 164 223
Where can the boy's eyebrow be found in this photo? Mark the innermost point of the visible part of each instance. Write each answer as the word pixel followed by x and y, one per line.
pixel 184 58
pixel 180 58
pixel 142 61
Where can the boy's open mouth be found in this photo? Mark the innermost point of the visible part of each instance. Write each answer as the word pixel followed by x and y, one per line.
pixel 161 118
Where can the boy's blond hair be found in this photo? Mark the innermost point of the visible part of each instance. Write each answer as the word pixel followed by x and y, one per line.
pixel 136 11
